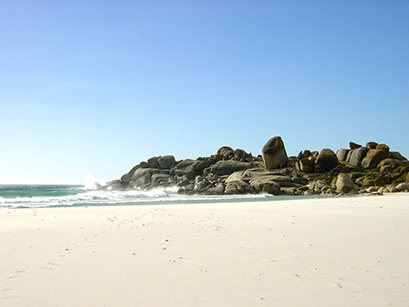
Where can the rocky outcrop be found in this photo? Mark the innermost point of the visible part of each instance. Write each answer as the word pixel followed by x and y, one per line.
pixel 373 168
pixel 274 154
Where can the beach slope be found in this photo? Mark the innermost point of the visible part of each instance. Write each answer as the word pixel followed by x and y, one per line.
pixel 343 251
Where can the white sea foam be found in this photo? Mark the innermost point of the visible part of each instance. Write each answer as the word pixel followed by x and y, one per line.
pixel 95 197
pixel 91 183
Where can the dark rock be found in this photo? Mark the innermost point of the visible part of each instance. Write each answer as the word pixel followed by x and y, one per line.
pixel 381 180
pixel 261 184
pixel 144 164
pixel 314 155
pixel 274 154
pixel 300 180
pixel 387 165
pixel 243 156
pixel 304 154
pixel 161 179
pixel 373 157
pixel 368 182
pixel 402 187
pixel 228 167
pixel 143 176
pixel 353 145
pixel 326 161
pixel 371 145
pixel 153 162
pixel 305 165
pixel 383 147
pixel 125 178
pixel 166 162
pixel 201 183
pixel 289 191
pixel 132 171
pixel 239 175
pixel 342 154
pixel 225 153
pixel 396 155
pixel 190 168
pixel 114 185
pixel 357 155
pixel 238 187
pixel 216 190
pixel 283 181
pixel 340 169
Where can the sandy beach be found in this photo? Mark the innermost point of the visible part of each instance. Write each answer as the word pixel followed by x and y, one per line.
pixel 348 251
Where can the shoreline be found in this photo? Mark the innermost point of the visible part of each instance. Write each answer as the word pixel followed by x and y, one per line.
pixel 318 251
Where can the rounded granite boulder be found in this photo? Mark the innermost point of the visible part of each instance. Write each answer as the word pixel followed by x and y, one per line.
pixel 326 161
pixel 356 156
pixel 166 162
pixel 342 154
pixel 344 183
pixel 373 157
pixel 383 147
pixel 371 145
pixel 274 154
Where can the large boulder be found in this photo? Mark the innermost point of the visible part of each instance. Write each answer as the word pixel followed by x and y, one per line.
pixel 403 187
pixel 242 155
pixel 265 184
pixel 304 154
pixel 387 165
pixel 190 168
pixel 160 179
pixel 238 187
pixel 373 157
pixel 356 156
pixel 274 154
pixel 396 155
pixel 218 189
pixel 353 145
pixel 371 145
pixel 225 153
pixel 342 154
pixel 326 161
pixel 383 147
pixel 125 179
pixel 381 180
pixel 305 165
pixel 222 168
pixel 153 162
pixel 143 176
pixel 166 162
pixel 344 183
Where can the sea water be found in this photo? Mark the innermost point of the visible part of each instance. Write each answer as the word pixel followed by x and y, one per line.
pixel 37 196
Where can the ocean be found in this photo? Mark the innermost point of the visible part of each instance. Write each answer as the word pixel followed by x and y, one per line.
pixel 41 196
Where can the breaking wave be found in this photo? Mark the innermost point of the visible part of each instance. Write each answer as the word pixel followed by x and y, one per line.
pixel 37 196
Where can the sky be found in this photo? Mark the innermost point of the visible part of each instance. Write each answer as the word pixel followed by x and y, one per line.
pixel 95 87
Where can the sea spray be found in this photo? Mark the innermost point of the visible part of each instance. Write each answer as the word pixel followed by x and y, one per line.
pixel 91 183
pixel 39 196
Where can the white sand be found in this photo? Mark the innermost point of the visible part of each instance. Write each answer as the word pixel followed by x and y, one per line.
pixel 319 252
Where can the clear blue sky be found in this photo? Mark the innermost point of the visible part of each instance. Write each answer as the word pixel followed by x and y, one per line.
pixel 98 86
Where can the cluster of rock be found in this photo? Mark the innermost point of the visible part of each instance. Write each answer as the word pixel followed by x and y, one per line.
pixel 373 168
